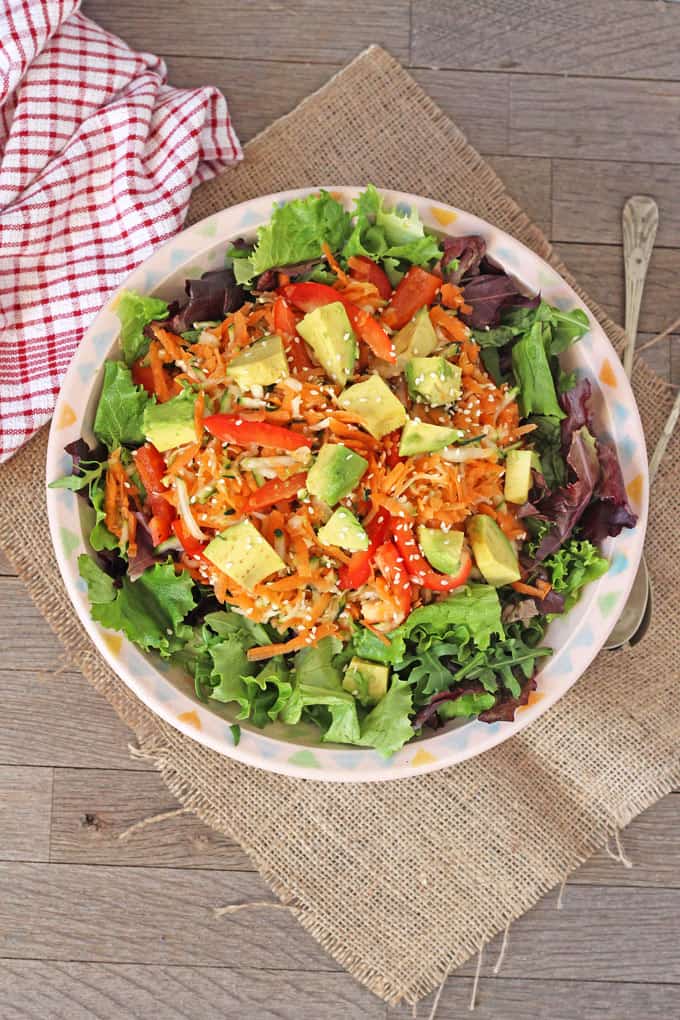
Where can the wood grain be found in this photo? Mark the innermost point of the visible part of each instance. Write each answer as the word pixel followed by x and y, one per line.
pixel 25 797
pixel 306 30
pixel 147 915
pixel 34 990
pixel 619 38
pixel 19 618
pixel 92 807
pixel 500 998
pixel 587 118
pixel 59 720
pixel 588 198
pixel 599 269
pixel 529 181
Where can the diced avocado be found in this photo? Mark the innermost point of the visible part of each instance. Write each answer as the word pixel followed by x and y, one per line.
pixel 170 424
pixel 367 680
pixel 434 380
pixel 261 364
pixel 243 554
pixel 518 464
pixel 335 472
pixel 328 332
pixel 374 403
pixel 345 531
pixel 441 549
pixel 492 551
pixel 421 437
pixel 416 339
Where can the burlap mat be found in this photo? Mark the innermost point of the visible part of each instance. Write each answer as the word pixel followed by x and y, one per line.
pixel 402 881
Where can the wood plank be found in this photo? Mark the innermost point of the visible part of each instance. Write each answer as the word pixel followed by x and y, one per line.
pixel 599 269
pixel 147 915
pixel 620 38
pixel 529 181
pixel 22 627
pixel 500 998
pixel 477 103
pixel 306 30
pixel 652 844
pixel 593 118
pixel 658 357
pixel 33 990
pixel 92 807
pixel 675 360
pixel 600 934
pixel 60 720
pixel 588 198
pixel 25 799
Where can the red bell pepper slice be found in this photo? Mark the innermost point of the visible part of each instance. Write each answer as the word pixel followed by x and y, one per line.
pixel 151 468
pixel 363 268
pixel 309 296
pixel 420 570
pixel 191 545
pixel 358 570
pixel 231 428
pixel 416 289
pixel 392 567
pixel 276 490
pixel 285 324
pixel 391 447
pixel 143 376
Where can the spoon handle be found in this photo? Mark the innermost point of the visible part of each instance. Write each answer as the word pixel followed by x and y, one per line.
pixel 640 220
pixel 664 439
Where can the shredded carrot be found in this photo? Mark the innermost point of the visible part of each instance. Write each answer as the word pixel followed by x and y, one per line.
pixel 378 633
pixel 529 589
pixel 304 640
pixel 183 458
pixel 171 343
pixel 452 296
pixel 160 383
pixel 454 327
pixel 524 430
pixel 330 259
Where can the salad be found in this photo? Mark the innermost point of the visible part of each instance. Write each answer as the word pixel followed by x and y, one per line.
pixel 346 481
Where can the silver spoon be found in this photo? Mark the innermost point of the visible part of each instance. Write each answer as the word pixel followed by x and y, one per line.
pixel 640 221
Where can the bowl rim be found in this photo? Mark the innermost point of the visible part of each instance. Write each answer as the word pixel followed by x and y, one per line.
pixel 360 765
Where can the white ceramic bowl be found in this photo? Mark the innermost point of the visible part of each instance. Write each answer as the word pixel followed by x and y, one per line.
pixel 296 751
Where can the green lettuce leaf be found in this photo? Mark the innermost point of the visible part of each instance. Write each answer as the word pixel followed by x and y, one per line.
pixel 149 611
pixel 381 234
pixel 471 703
pixel 566 328
pixel 269 691
pixel 547 440
pixel 318 682
pixel 295 233
pixel 574 566
pixel 118 420
pixel 100 536
pixel 471 615
pixel 135 312
pixel 388 727
pixel 532 371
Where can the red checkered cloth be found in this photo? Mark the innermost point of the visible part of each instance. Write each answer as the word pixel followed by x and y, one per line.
pixel 98 157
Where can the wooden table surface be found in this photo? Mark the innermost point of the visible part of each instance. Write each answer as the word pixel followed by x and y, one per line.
pixel 577 106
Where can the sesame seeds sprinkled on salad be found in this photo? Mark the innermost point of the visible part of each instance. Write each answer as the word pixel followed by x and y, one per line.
pixel 350 488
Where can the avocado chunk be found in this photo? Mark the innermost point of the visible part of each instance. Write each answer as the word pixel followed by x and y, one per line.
pixel 335 472
pixel 376 406
pixel 170 424
pixel 493 553
pixel 243 554
pixel 518 464
pixel 416 339
pixel 366 680
pixel 329 333
pixel 441 549
pixel 262 364
pixel 434 380
pixel 344 530
pixel 421 437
